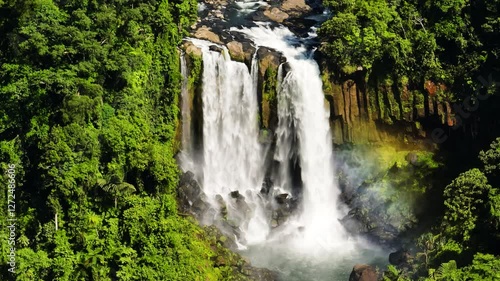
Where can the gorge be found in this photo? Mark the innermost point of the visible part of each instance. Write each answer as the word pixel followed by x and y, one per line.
pixel 275 191
pixel 271 121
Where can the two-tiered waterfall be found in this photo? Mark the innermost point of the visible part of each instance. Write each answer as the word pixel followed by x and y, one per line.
pixel 231 166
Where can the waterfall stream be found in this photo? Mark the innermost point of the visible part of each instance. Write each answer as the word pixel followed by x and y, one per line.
pixel 310 244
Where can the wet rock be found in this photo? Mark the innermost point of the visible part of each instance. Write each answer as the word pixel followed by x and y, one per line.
pixel 188 192
pixel 216 2
pixel 205 33
pixel 235 194
pixel 385 234
pixel 200 206
pixel 215 48
pixel 363 272
pixel 276 14
pixel 191 49
pixel 226 241
pixel 286 68
pixel 353 225
pixel 281 199
pixel 258 274
pixel 268 58
pixel 242 207
pixel 274 223
pixel 218 14
pixel 222 206
pixel 267 185
pixel 234 222
pixel 399 258
pixel 236 51
pixel 283 208
pixel 295 8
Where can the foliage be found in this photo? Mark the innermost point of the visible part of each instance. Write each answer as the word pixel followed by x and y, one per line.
pixel 491 159
pixel 88 113
pixel 462 244
pixel 464 198
pixel 447 42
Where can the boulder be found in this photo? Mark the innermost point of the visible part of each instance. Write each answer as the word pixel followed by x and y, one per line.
pixel 235 194
pixel 218 3
pixel 236 51
pixel 363 272
pixel 399 258
pixel 276 14
pixel 295 8
pixel 281 198
pixel 268 58
pixel 258 274
pixel 205 33
pixel 215 48
pixel 189 191
pixel 191 49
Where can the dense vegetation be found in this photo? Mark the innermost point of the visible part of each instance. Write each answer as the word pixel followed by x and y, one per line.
pixel 462 244
pixel 451 43
pixel 88 114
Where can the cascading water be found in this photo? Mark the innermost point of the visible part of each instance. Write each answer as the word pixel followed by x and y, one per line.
pixel 232 154
pixel 301 109
pixel 233 167
pixel 186 117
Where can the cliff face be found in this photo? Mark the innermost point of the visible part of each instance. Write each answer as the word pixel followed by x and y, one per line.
pixel 364 109
pixel 380 110
pixel 361 112
pixel 268 64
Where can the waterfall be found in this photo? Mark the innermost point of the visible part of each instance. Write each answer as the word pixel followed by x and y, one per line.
pixel 185 108
pixel 285 138
pixel 234 167
pixel 304 129
pixel 232 155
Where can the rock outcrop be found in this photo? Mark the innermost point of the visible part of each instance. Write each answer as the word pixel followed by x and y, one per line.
pixel 400 258
pixel 363 272
pixel 192 200
pixel 206 33
pixel 275 14
pixel 295 8
pixel 381 111
pixel 269 61
pixel 236 51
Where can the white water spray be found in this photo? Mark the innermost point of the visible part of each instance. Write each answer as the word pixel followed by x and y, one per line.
pixel 185 112
pixel 302 105
pixel 234 160
pixel 232 154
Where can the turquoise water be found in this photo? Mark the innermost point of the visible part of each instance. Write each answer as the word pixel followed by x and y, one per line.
pixel 329 267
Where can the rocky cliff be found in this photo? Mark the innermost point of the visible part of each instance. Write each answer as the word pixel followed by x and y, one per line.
pixel 365 108
pixel 381 110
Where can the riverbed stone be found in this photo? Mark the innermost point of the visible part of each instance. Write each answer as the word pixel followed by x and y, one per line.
pixel 206 33
pixel 363 272
pixel 236 51
pixel 295 8
pixel 276 14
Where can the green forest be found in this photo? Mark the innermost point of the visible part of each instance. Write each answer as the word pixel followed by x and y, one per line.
pixel 88 107
pixel 454 43
pixel 89 124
